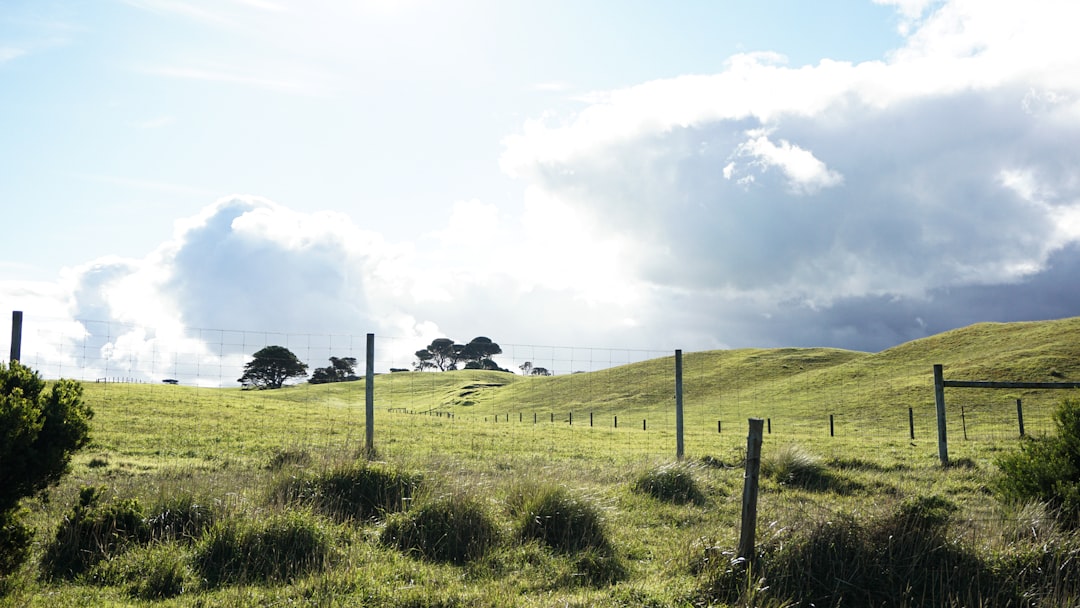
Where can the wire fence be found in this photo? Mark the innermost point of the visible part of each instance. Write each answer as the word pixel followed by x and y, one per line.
pixel 595 400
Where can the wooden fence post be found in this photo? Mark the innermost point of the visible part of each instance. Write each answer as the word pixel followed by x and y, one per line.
pixel 369 397
pixel 16 336
pixel 911 422
pixel 1020 415
pixel 750 491
pixel 939 402
pixel 832 428
pixel 679 445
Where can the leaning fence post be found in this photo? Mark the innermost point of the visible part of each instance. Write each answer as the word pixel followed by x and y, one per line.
pixel 16 336
pixel 939 402
pixel 369 396
pixel 1020 415
pixel 750 490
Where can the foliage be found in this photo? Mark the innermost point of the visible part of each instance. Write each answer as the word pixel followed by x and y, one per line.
pixel 153 572
pixel 672 483
pixel 1047 469
pixel 271 366
pixel 39 431
pixel 901 559
pixel 341 369
pixel 443 354
pixel 792 465
pixel 92 532
pixel 278 549
pixel 357 491
pixel 453 528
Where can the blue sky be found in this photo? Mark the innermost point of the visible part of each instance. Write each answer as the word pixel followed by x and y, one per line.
pixel 634 174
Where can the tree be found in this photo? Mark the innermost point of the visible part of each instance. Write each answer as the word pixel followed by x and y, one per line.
pixel 526 368
pixel 442 354
pixel 540 371
pixel 480 350
pixel 341 369
pixel 270 367
pixel 39 431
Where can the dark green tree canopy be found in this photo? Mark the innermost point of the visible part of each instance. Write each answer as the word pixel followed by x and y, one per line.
pixel 341 369
pixel 270 367
pixel 444 354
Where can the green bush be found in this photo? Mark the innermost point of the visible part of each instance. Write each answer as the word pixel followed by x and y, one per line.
pixel 359 491
pixel 92 532
pixel 672 483
pixel 39 431
pixel 1047 469
pixel 794 466
pixel 179 517
pixel 454 529
pixel 278 549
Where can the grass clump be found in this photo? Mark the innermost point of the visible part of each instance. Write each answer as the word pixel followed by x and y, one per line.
pixel 354 492
pixel 92 532
pixel 792 465
pixel 179 517
pixel 672 483
pixel 455 528
pixel 277 549
pixel 156 572
pixel 901 559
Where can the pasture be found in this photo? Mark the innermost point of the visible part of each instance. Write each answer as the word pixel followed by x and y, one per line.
pixel 491 443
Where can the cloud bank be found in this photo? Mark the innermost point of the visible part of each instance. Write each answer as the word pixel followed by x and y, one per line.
pixel 835 204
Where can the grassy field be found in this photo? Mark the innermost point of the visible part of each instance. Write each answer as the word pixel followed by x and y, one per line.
pixel 495 443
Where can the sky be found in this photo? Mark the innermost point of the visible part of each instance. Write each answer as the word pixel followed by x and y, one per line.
pixel 605 174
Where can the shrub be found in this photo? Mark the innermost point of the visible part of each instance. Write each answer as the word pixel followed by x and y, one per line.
pixel 92 532
pixel 562 521
pixel 454 529
pixel 358 491
pixel 1047 469
pixel 39 431
pixel 673 483
pixel 278 549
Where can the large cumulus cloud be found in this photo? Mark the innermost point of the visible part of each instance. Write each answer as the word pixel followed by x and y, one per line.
pixel 835 194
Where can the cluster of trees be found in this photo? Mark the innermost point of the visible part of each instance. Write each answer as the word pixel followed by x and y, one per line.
pixel 528 369
pixel 272 366
pixel 444 354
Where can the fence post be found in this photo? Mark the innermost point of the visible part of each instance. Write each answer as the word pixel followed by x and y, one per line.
pixel 616 422
pixel 1020 415
pixel 911 422
pixel 939 402
pixel 369 397
pixel 16 336
pixel 750 491
pixel 831 427
pixel 679 445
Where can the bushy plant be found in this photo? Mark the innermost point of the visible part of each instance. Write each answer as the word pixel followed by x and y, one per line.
pixel 179 517
pixel 358 491
pixel 277 549
pixel 39 431
pixel 454 529
pixel 94 531
pixel 1047 469
pixel 672 483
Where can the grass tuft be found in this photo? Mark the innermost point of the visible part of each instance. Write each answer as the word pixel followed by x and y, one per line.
pixel 672 483
pixel 455 528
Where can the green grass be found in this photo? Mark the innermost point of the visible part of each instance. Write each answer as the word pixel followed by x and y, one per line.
pixel 250 470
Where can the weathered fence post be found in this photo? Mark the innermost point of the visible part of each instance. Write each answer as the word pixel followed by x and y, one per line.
pixel 16 336
pixel 571 418
pixel 718 426
pixel 832 428
pixel 963 421
pixel 1020 415
pixel 750 491
pixel 911 422
pixel 616 422
pixel 939 402
pixel 369 397
pixel 679 445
